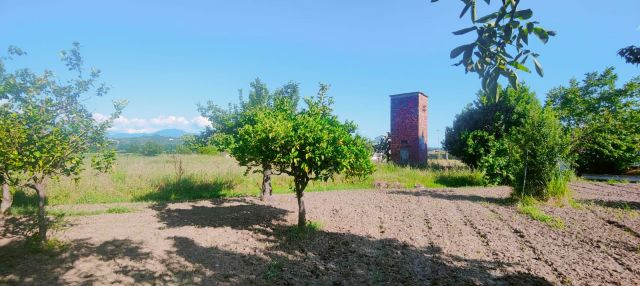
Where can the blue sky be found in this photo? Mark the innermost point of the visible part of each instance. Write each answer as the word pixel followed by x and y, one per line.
pixel 166 56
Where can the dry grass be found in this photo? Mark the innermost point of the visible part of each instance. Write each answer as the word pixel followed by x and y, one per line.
pixel 140 179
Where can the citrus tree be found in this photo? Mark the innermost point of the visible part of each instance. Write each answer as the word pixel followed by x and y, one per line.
pixel 55 130
pixel 258 142
pixel 249 130
pixel 317 146
pixel 11 138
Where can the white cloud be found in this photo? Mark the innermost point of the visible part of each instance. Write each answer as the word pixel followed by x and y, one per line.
pixel 170 120
pixel 135 125
pixel 202 122
pixel 100 117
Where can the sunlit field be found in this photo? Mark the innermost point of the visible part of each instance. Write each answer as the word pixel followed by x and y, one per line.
pixel 137 178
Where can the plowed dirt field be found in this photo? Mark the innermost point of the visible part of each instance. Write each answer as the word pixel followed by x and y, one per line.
pixel 433 236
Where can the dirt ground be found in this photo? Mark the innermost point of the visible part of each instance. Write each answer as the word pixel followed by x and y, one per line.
pixel 434 237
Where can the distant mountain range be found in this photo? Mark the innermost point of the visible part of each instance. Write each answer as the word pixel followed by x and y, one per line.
pixel 170 133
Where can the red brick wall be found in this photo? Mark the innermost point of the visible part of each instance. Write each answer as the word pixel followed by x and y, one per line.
pixel 422 129
pixel 409 128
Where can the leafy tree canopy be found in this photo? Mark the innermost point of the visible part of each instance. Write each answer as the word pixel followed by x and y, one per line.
pixel 603 121
pixel 53 130
pixel 250 130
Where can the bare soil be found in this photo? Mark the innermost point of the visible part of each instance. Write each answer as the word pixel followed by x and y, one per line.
pixel 432 236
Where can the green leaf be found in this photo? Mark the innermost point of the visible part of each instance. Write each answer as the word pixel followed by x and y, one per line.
pixel 519 66
pixel 524 14
pixel 538 67
pixel 530 27
pixel 542 34
pixel 524 35
pixel 457 51
pixel 465 30
pixel 488 17
pixel 465 9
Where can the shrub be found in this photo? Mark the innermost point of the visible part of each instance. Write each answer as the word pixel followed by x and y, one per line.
pixel 513 141
pixel 541 148
pixel 498 165
pixel 486 121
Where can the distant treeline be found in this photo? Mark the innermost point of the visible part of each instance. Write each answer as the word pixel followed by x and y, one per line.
pixel 155 145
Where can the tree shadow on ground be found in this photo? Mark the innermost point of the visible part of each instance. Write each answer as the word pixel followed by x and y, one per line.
pixel 18 226
pixel 321 257
pixel 342 259
pixel 451 196
pixel 283 256
pixel 238 213
pixel 27 225
pixel 21 265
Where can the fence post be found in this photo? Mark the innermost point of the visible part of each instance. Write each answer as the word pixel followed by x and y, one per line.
pixel 524 182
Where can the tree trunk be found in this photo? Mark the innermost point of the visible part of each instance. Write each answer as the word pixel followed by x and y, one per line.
pixel 42 217
pixel 266 182
pixel 300 185
pixel 6 198
pixel 302 212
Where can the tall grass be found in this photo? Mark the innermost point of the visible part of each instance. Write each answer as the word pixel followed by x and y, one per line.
pixel 558 186
pixel 141 179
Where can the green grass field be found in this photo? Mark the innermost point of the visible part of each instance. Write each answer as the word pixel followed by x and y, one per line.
pixel 152 179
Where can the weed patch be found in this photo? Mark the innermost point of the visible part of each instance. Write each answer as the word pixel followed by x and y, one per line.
pixel 299 234
pixel 614 181
pixel 52 247
pixel 119 210
pixel 274 270
pixel 531 210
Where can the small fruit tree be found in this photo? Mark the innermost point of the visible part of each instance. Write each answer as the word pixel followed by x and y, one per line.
pixel 249 130
pixel 316 146
pixel 54 127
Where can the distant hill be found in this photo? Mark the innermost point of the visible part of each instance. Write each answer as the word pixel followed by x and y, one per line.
pixel 144 143
pixel 169 133
pixel 174 133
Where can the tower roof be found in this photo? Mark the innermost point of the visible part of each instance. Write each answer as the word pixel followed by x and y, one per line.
pixel 408 94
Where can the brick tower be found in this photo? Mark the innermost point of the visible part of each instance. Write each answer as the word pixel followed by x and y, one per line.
pixel 409 128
